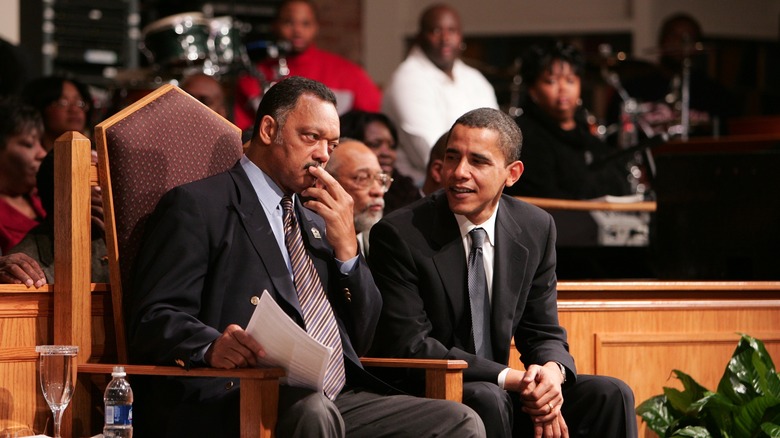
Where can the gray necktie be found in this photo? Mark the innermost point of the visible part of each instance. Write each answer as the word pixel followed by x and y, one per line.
pixel 478 296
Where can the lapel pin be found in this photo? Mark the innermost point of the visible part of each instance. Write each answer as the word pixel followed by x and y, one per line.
pixel 316 233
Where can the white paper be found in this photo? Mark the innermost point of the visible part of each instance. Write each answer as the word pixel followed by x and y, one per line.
pixel 288 346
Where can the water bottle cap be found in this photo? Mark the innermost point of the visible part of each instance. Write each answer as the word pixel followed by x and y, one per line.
pixel 118 372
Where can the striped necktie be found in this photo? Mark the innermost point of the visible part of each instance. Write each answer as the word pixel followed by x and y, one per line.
pixel 317 312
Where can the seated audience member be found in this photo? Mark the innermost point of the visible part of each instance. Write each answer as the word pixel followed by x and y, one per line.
pixel 207 90
pixel 562 158
pixel 64 103
pixel 431 88
pixel 466 270
pixel 378 132
pixel 435 163
pixel 21 154
pixel 21 269
pixel 39 241
pixel 296 26
pixel 357 169
pixel 192 289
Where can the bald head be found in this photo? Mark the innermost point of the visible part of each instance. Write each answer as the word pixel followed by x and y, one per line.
pixel 440 36
pixel 356 168
pixel 349 156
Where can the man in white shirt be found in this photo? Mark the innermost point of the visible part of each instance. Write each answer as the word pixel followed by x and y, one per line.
pixel 431 88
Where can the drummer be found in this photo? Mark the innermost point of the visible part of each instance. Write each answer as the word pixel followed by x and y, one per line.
pixel 296 25
pixel 658 87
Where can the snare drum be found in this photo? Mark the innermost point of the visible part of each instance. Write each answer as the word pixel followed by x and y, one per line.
pixel 177 40
pixel 226 41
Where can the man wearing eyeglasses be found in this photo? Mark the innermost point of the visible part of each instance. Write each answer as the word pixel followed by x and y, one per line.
pixel 357 169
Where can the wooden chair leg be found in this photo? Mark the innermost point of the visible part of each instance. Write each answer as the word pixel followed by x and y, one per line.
pixel 444 384
pixel 259 395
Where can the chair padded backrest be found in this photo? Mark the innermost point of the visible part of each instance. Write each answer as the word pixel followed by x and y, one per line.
pixel 165 140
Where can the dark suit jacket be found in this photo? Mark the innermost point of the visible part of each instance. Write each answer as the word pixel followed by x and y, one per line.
pixel 419 263
pixel 208 251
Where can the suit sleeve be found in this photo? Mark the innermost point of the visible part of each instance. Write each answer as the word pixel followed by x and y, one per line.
pixel 358 304
pixel 168 281
pixel 539 336
pixel 405 329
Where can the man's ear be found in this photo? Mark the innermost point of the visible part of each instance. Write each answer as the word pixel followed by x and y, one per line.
pixel 267 128
pixel 436 166
pixel 515 169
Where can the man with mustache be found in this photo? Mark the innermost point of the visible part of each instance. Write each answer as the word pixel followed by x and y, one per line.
pixel 275 223
pixel 357 169
pixel 431 88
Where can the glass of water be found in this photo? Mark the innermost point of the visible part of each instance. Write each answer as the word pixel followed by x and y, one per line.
pixel 57 370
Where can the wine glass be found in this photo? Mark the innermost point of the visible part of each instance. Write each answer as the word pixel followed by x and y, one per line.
pixel 56 369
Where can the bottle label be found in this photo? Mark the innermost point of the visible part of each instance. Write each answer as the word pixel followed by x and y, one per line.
pixel 121 415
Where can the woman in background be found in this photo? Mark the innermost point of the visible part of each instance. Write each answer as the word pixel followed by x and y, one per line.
pixel 65 104
pixel 21 155
pixel 562 158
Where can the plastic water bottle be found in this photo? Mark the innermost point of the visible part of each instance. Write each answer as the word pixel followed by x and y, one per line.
pixel 118 400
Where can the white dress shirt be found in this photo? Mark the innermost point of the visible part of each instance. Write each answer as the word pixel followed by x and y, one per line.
pixel 424 102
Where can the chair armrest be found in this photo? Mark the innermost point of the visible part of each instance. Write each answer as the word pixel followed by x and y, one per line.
pixel 263 373
pixel 443 377
pixel 259 390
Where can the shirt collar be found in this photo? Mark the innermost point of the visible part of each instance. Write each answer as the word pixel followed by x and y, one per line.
pixel 465 226
pixel 269 194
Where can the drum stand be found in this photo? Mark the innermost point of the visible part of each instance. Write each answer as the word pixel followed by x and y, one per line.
pixel 685 98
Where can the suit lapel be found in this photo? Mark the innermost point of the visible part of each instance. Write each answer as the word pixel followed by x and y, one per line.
pixel 257 227
pixel 313 233
pixel 450 259
pixel 510 262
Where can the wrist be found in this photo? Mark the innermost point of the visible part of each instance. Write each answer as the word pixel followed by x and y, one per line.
pixel 562 369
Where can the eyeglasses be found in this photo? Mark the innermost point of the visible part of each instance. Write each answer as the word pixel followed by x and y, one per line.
pixel 364 180
pixel 65 103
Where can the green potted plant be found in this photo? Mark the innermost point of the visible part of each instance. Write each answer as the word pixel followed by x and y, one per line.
pixel 746 404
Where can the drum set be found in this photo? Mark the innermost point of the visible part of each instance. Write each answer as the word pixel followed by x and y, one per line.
pixel 188 41
pixel 183 44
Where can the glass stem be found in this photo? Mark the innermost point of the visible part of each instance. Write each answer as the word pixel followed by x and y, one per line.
pixel 57 422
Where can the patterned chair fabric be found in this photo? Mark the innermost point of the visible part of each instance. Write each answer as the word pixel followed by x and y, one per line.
pixel 171 140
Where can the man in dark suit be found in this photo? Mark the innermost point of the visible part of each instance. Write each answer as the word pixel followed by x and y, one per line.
pixel 214 246
pixel 432 282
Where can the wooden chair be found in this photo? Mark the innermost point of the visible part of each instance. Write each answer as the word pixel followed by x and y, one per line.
pixel 170 118
pixel 124 224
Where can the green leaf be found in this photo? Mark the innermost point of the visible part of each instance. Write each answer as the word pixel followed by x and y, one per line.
pixel 746 405
pixel 684 400
pixel 655 414
pixel 748 418
pixel 693 432
pixel 746 369
pixel 773 430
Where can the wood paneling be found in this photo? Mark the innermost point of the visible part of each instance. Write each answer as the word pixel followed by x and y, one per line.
pixel 636 331
pixel 26 321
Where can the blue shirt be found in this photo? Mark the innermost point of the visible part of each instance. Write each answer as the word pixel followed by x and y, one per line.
pixel 270 196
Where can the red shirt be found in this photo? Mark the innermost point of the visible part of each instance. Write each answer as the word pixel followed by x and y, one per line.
pixel 347 80
pixel 14 225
